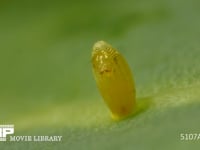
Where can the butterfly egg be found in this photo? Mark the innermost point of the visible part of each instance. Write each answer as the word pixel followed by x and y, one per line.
pixel 114 80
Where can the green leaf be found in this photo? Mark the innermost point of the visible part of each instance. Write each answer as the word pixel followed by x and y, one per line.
pixel 46 81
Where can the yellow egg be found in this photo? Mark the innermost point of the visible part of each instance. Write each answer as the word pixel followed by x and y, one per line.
pixel 114 80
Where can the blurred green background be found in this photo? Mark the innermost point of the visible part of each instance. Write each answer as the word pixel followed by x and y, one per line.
pixel 46 81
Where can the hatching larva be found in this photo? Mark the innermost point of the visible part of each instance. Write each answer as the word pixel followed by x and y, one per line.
pixel 114 80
